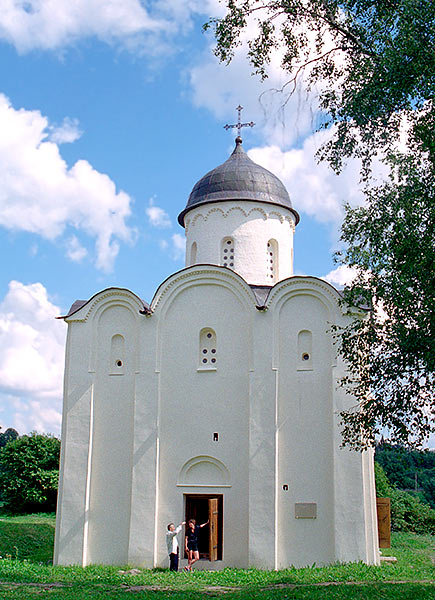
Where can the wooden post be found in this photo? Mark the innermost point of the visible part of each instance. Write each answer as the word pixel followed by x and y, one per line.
pixel 384 522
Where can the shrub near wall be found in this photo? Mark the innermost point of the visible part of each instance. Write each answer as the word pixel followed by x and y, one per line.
pixel 407 512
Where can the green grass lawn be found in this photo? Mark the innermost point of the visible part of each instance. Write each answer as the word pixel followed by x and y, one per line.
pixel 29 576
pixel 28 537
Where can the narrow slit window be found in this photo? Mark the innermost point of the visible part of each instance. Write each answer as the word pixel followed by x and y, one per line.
pixel 227 253
pixel 272 261
pixel 207 349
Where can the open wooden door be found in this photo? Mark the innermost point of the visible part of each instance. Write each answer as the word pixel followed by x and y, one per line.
pixel 384 522
pixel 213 513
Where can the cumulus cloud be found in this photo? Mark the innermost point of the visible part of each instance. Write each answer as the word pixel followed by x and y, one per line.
pixel 157 216
pixel 32 354
pixel 133 24
pixel 50 24
pixel 42 195
pixel 284 110
pixel 220 88
pixel 341 276
pixel 314 188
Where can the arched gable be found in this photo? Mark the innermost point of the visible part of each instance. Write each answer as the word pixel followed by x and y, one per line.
pixel 200 275
pixel 125 321
pixel 104 299
pixel 311 286
pixel 190 280
pixel 311 291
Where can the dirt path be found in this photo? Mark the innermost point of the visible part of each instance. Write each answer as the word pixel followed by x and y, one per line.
pixel 217 589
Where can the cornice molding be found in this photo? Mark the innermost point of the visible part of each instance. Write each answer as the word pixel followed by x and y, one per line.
pixel 263 210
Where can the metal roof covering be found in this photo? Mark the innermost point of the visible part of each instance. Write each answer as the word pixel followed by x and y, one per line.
pixel 261 293
pixel 238 178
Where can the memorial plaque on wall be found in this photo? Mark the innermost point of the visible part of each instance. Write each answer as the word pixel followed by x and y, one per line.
pixel 305 510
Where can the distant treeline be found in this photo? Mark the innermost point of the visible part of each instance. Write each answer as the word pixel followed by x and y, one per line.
pixel 410 470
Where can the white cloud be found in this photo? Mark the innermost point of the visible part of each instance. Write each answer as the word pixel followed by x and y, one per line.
pixel 157 217
pixel 32 356
pixel 220 88
pixel 178 246
pixel 74 250
pixel 145 27
pixel 314 188
pixel 42 195
pixel 341 276
pixel 182 12
pixel 66 133
pixel 51 24
pixel 283 111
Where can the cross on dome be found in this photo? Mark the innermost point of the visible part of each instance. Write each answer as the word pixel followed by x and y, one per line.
pixel 239 123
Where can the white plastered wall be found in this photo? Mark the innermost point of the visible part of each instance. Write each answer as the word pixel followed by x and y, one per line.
pixel 310 460
pixel 251 225
pixel 103 410
pixel 197 401
pixel 277 424
pixel 356 526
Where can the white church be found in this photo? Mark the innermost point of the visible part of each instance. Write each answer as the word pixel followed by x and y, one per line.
pixel 218 401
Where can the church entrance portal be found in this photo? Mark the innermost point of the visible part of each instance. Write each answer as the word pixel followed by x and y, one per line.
pixel 203 508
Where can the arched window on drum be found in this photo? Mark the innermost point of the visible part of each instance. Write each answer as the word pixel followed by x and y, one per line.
pixel 227 252
pixel 207 349
pixel 193 253
pixel 272 261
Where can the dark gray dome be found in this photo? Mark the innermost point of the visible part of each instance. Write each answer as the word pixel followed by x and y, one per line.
pixel 238 178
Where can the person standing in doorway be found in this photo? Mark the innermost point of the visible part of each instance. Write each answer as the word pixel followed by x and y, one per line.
pixel 172 544
pixel 191 543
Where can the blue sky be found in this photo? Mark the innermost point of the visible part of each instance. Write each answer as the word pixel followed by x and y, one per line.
pixel 109 114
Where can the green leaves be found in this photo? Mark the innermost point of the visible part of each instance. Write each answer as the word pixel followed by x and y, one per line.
pixel 374 61
pixel 29 470
pixel 391 243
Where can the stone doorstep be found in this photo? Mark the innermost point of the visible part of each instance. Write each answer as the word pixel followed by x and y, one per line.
pixel 388 559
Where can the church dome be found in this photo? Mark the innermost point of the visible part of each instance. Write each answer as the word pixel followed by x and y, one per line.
pixel 238 178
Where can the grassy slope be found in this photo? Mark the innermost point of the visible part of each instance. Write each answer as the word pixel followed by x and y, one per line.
pixel 28 537
pixel 34 535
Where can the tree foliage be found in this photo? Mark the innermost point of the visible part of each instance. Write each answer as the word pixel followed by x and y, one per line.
pixel 29 469
pixel 374 59
pixel 390 242
pixel 374 63
pixel 408 513
pixel 8 436
pixel 409 470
